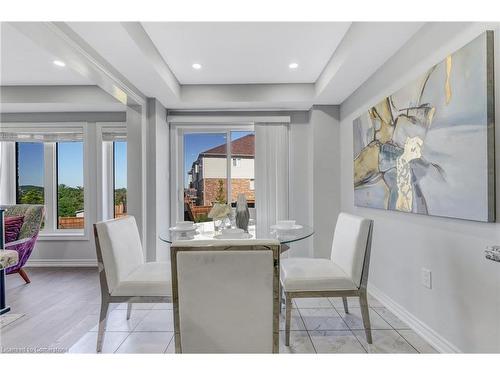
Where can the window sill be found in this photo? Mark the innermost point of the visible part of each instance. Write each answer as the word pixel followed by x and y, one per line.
pixel 63 236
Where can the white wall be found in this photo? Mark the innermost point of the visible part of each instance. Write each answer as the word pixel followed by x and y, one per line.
pixel 326 171
pixel 462 310
pixel 160 191
pixel 300 193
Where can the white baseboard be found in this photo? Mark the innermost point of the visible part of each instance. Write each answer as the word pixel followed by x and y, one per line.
pixel 432 337
pixel 61 263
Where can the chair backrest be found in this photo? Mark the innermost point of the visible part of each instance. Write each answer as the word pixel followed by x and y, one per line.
pixel 33 217
pixel 226 296
pixel 119 249
pixel 351 246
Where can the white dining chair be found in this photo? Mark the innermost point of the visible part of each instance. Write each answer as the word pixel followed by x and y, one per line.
pixel 226 296
pixel 344 274
pixel 123 274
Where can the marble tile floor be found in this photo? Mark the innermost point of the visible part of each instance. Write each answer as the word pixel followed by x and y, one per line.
pixel 319 325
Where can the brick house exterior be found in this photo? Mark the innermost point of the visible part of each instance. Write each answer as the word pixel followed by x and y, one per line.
pixel 211 167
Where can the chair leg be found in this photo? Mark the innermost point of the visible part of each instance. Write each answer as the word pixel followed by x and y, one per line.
pixel 346 307
pixel 24 275
pixel 288 318
pixel 365 313
pixel 129 310
pixel 102 325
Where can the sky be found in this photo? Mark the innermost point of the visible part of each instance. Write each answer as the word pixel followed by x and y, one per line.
pixel 120 165
pixel 70 164
pixel 30 163
pixel 195 143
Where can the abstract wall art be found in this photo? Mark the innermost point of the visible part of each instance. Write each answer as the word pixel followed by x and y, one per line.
pixel 429 147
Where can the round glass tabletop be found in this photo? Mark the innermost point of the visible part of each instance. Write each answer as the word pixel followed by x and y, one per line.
pixel 205 231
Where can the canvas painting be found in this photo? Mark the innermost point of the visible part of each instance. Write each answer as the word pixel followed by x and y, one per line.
pixel 429 147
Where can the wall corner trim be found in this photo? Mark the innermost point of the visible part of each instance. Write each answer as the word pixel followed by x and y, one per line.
pixel 432 337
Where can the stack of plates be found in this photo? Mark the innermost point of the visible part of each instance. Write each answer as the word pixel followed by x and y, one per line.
pixel 185 230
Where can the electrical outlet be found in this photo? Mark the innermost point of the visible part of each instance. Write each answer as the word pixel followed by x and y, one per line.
pixel 426 278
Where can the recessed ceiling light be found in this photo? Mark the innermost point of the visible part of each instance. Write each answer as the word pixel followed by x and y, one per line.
pixel 196 66
pixel 59 63
pixel 293 65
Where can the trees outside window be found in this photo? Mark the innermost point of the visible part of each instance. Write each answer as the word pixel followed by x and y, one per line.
pixel 70 192
pixel 30 173
pixel 120 178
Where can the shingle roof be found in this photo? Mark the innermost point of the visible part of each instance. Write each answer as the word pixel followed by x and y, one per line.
pixel 244 146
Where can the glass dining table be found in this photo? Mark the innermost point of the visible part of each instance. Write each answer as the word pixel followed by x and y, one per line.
pixel 205 231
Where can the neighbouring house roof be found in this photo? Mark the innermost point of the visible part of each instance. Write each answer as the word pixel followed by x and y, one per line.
pixel 243 147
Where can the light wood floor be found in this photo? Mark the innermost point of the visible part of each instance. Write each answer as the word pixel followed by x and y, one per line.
pixel 59 306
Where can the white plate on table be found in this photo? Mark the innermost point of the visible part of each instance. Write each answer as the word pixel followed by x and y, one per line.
pixel 243 236
pixel 178 236
pixel 293 227
pixel 188 229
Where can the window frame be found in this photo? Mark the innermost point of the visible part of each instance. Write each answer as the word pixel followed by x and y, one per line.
pixel 50 230
pixel 106 168
pixel 177 132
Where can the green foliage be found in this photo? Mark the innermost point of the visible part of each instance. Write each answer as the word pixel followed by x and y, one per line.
pixel 201 218
pixel 70 200
pixel 121 196
pixel 221 193
pixel 30 194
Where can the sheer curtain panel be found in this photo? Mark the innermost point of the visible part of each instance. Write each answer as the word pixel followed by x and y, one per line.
pixel 271 173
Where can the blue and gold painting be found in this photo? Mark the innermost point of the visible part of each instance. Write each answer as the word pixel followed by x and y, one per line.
pixel 429 147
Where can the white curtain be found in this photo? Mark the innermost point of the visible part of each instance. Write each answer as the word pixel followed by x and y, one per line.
pixel 271 174
pixel 7 173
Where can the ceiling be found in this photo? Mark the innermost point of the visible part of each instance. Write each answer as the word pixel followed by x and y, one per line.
pixel 23 62
pixel 244 65
pixel 246 52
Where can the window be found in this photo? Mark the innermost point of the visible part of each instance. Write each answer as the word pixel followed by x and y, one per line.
pixel 119 178
pixel 242 169
pixel 30 173
pixel 51 172
pixel 70 192
pixel 207 173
